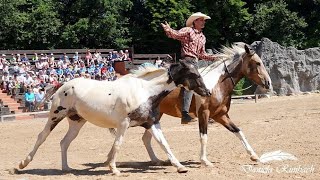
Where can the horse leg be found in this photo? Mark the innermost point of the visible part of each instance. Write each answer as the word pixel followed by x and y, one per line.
pixel 227 123
pixel 73 131
pixel 156 132
pixel 42 136
pixel 116 147
pixel 203 128
pixel 146 138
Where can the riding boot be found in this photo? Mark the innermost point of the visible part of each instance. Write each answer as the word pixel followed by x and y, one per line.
pixel 186 102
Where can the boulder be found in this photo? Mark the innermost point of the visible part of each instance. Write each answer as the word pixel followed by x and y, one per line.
pixel 292 71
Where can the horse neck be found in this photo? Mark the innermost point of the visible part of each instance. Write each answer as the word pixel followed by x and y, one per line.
pixel 159 88
pixel 235 75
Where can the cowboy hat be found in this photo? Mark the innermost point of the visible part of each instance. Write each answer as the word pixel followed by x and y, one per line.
pixel 195 16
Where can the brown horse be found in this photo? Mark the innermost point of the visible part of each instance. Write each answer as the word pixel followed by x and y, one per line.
pixel 221 77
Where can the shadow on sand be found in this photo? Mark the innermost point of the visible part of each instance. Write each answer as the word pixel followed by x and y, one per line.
pixel 124 167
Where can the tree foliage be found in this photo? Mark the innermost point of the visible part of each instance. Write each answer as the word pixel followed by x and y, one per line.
pixel 47 24
pixel 275 21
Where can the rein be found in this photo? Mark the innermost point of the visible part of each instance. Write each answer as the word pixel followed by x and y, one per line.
pixel 229 74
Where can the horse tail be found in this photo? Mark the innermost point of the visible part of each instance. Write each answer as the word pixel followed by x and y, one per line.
pixel 113 131
pixel 50 90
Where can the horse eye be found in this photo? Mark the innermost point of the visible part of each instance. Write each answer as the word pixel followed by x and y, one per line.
pixel 258 64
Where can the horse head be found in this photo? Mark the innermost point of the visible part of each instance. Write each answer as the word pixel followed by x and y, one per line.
pixel 254 69
pixel 186 75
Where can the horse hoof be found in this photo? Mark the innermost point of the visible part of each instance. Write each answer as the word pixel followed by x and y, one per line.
pixel 207 163
pixel 66 170
pixel 21 166
pixel 254 158
pixel 182 169
pixel 116 173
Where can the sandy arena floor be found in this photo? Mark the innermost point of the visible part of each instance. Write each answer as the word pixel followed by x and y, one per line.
pixel 290 124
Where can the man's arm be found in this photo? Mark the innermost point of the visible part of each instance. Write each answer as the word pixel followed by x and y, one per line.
pixel 204 55
pixel 174 34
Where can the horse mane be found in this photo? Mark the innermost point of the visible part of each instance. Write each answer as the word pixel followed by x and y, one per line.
pixel 146 69
pixel 225 54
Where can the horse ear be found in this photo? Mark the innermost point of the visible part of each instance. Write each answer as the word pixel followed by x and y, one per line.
pixel 249 50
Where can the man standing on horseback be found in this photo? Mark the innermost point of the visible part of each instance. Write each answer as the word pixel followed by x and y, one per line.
pixel 192 49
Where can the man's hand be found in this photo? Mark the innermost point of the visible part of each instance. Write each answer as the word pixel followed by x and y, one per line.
pixel 165 26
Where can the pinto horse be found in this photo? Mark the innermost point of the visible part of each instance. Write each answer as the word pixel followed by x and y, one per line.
pixel 241 61
pixel 132 100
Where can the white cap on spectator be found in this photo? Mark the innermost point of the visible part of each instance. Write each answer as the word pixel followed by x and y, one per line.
pixel 41 54
pixel 3 55
pixel 51 54
pixel 76 52
pixel 18 54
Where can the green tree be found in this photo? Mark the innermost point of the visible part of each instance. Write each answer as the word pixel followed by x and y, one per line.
pixel 275 21
pixel 146 16
pixel 309 9
pixel 229 21
pixel 94 23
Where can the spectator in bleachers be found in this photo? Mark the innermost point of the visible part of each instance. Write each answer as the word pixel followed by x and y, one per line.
pixel 21 69
pixel 38 98
pixel 3 58
pixel 53 79
pixel 122 56
pixel 51 61
pixel 51 71
pixel 29 100
pixel 59 63
pixel 127 54
pixel 1 66
pixel 111 72
pixel 35 57
pixel 90 70
pixel 114 55
pixel 18 58
pixel 64 57
pixel 65 64
pixel 88 57
pixel 13 59
pixel 59 71
pixel 40 64
pixel 28 81
pixel 25 58
pixel 15 68
pixel 109 56
pixel 18 85
pixel 4 80
pixel 11 86
pixel 75 57
pixel 82 67
pixel 96 58
pixel 35 88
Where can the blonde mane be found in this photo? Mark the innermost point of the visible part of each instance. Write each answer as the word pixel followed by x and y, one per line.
pixel 225 54
pixel 146 71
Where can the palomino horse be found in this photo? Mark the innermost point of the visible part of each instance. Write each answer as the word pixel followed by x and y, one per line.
pixel 133 100
pixel 241 61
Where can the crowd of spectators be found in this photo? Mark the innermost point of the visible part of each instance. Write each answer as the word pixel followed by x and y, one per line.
pixel 30 76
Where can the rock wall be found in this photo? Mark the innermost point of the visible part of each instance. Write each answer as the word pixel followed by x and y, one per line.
pixel 292 71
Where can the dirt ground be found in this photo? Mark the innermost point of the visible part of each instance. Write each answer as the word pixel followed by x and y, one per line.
pixel 290 124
